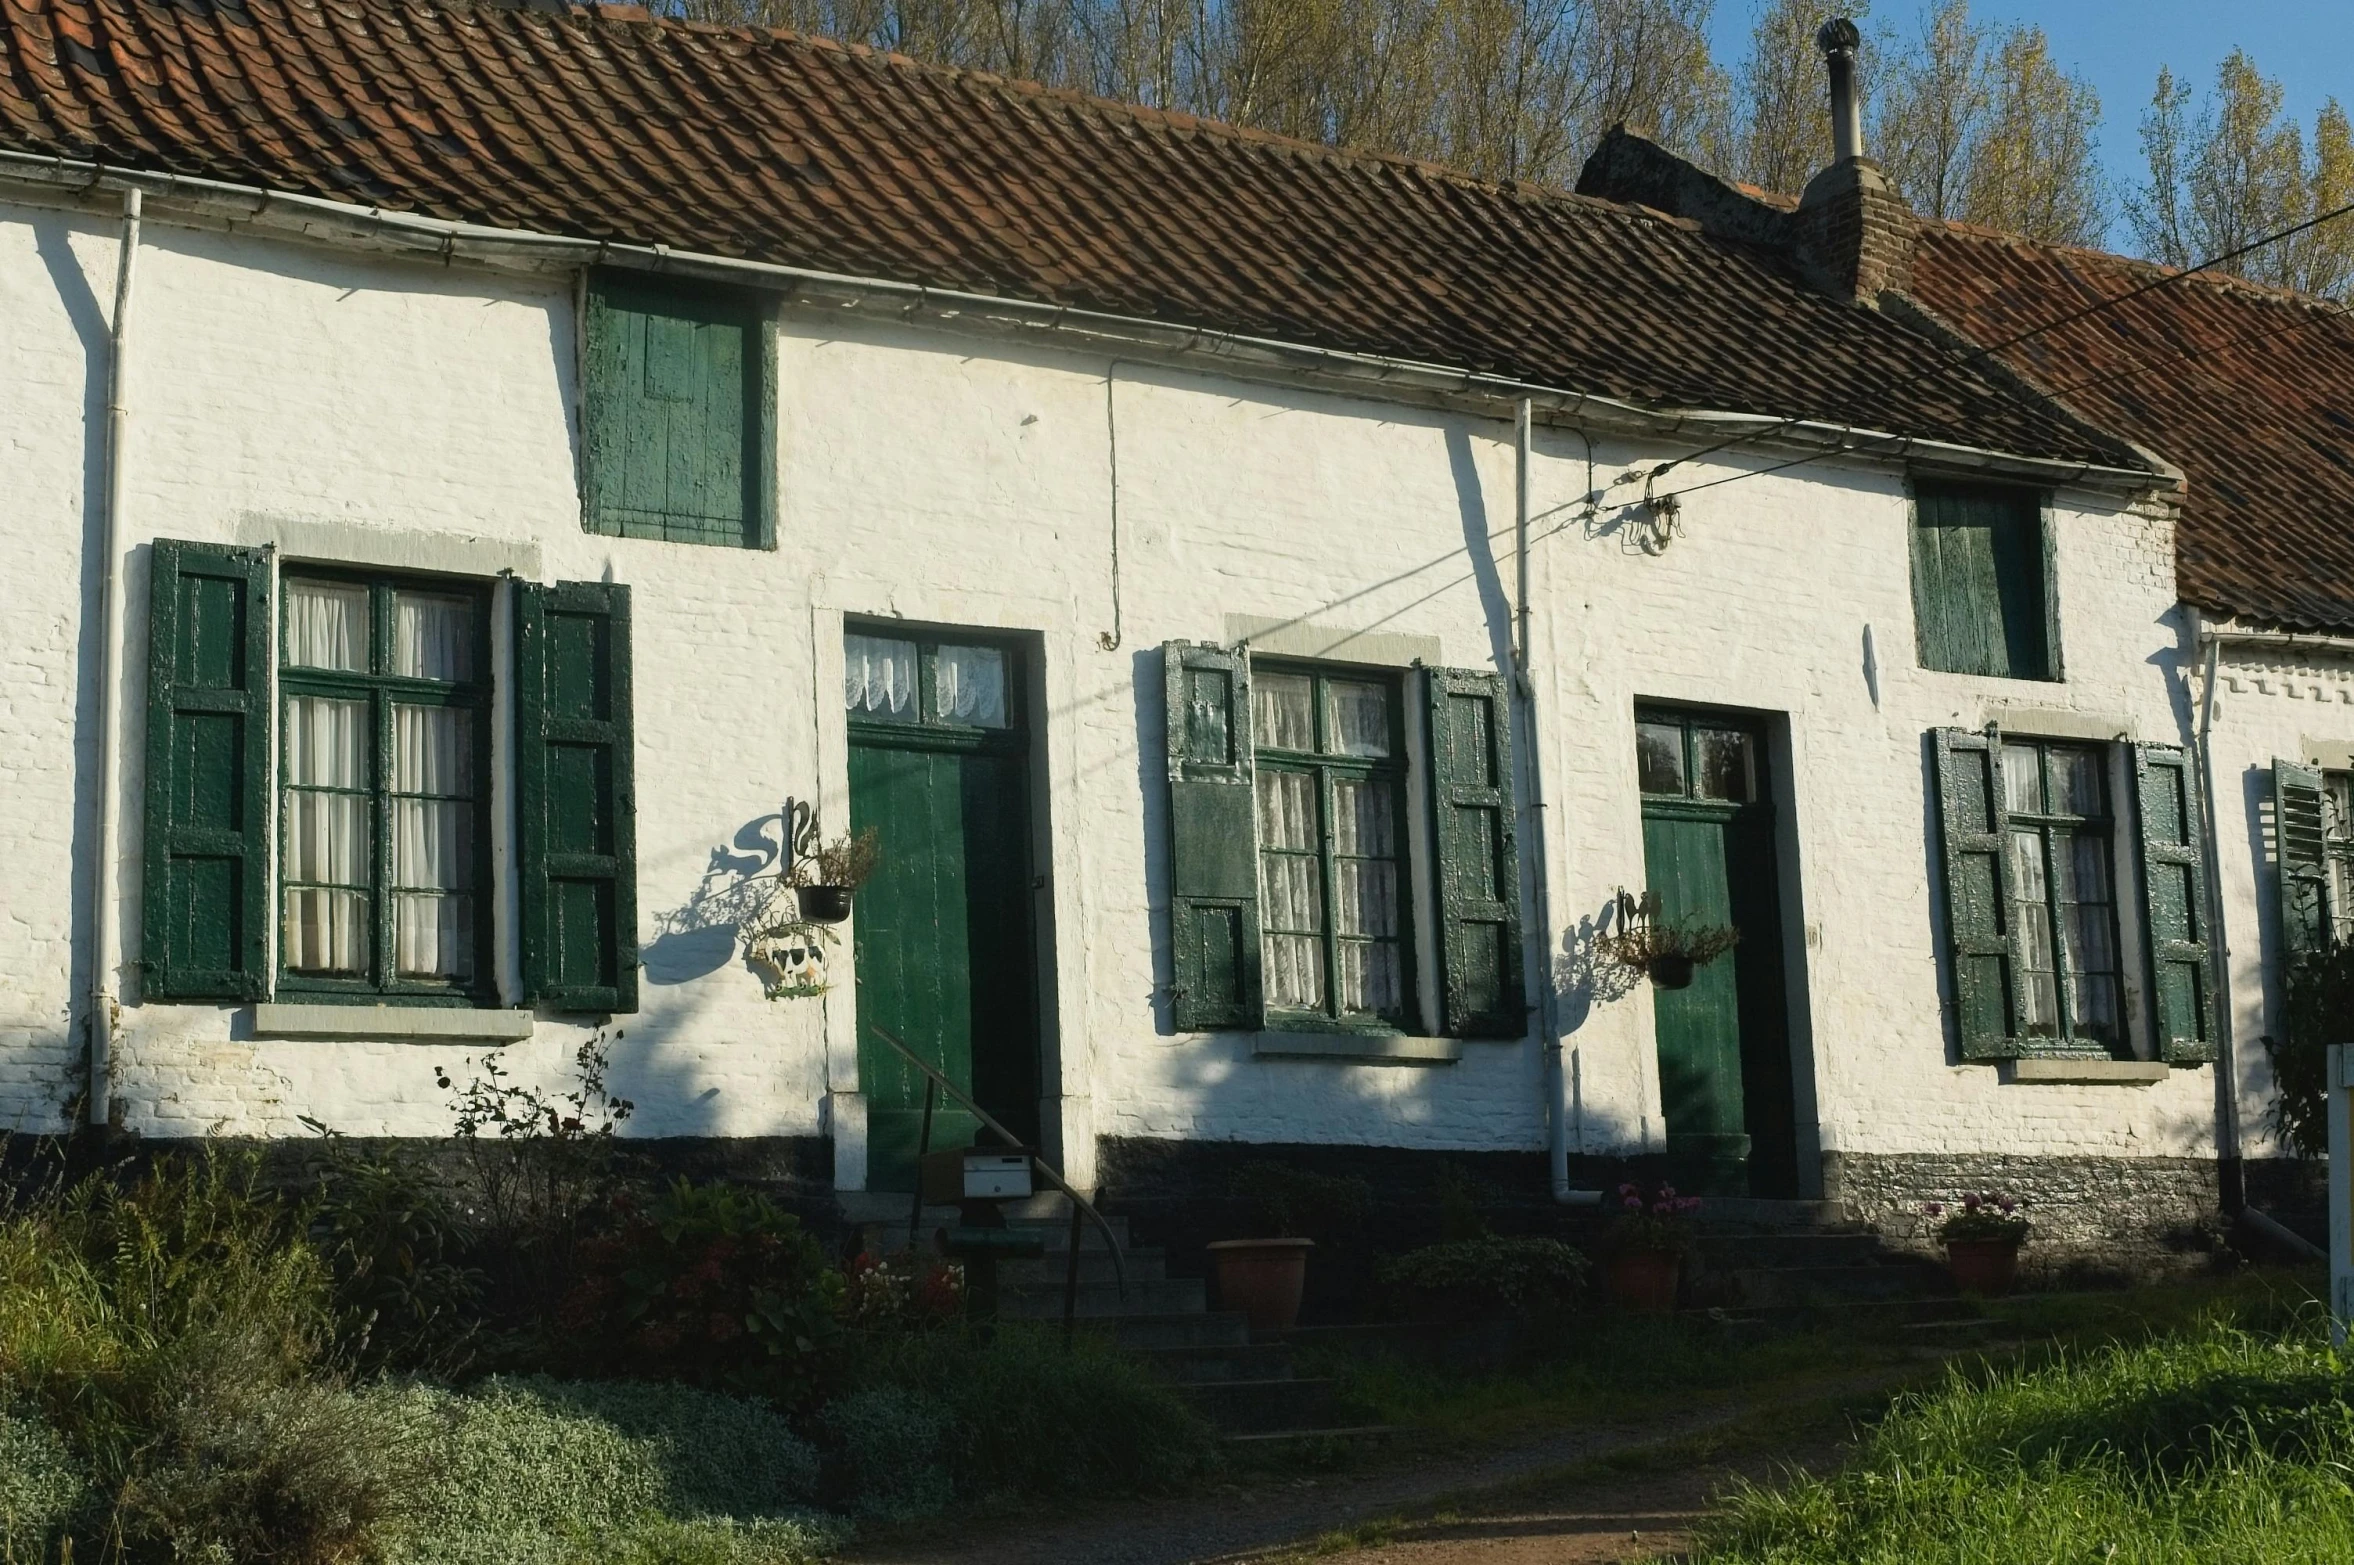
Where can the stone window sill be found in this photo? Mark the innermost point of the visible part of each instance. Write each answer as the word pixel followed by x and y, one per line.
pixel 2085 1073
pixel 437 1023
pixel 1360 1048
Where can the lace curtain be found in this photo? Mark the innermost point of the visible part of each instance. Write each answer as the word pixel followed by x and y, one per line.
pixel 878 678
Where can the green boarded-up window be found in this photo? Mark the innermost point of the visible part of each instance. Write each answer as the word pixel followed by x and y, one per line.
pixel 674 415
pixel 1981 584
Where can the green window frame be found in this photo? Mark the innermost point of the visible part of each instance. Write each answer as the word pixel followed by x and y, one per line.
pixel 1982 571
pixel 414 785
pixel 678 411
pixel 2062 842
pixel 1335 876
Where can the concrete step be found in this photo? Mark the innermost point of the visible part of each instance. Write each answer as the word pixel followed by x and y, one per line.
pixel 1257 1407
pixel 1200 1362
pixel 1762 1287
pixel 1058 1231
pixel 1198 1328
pixel 1044 1301
pixel 1095 1266
pixel 1805 1247
pixel 1753 1214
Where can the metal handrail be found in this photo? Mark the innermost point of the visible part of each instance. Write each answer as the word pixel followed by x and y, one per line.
pixel 1079 1203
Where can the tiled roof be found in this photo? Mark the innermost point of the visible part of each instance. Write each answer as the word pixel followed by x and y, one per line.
pixel 2249 390
pixel 784 149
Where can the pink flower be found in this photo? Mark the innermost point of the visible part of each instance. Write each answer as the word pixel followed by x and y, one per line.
pixel 1667 1192
pixel 1935 1209
pixel 1971 1201
pixel 1633 1203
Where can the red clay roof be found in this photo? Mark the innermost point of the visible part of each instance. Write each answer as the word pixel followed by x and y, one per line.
pixel 2249 390
pixel 791 150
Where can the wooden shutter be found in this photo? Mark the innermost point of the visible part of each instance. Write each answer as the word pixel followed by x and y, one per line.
pixel 2300 852
pixel 1213 840
pixel 1980 931
pixel 575 805
pixel 671 416
pixel 207 895
pixel 2174 905
pixel 1980 595
pixel 1475 842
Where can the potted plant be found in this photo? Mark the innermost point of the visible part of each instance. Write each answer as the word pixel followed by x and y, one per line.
pixel 824 881
pixel 1644 1248
pixel 1981 1235
pixel 1667 954
pixel 1265 1276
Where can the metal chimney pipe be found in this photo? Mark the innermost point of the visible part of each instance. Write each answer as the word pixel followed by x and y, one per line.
pixel 1839 40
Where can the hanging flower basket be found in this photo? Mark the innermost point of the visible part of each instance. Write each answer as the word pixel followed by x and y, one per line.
pixel 1670 955
pixel 823 904
pixel 824 882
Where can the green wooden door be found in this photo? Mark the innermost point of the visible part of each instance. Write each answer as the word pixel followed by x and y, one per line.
pixel 1708 854
pixel 943 944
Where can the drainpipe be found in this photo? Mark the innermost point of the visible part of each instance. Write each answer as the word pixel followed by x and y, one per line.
pixel 2229 1173
pixel 1532 789
pixel 105 945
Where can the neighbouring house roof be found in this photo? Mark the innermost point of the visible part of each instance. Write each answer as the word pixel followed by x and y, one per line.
pixel 774 147
pixel 2249 390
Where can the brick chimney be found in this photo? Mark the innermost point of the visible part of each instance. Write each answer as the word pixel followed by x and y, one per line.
pixel 1852 233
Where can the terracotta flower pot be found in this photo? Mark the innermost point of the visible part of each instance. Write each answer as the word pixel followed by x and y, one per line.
pixel 1987 1267
pixel 823 904
pixel 1643 1282
pixel 1262 1278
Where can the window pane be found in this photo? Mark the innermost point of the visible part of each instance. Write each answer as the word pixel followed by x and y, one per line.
pixel 878 678
pixel 968 683
pixel 326 626
pixel 433 750
pixel 433 936
pixel 1727 763
pixel 327 838
pixel 432 637
pixel 1369 984
pixel 326 932
pixel 2023 778
pixel 326 743
pixel 1291 890
pixel 2077 780
pixel 2038 955
pixel 1358 717
pixel 1295 973
pixel 2087 904
pixel 1283 708
pixel 1287 810
pixel 1659 757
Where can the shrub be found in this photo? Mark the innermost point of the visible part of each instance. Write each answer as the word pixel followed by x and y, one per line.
pixel 392 1237
pixel 711 1284
pixel 2318 987
pixel 1292 1203
pixel 887 1443
pixel 1486 1277
pixel 1032 1418
pixel 542 1472
pixel 42 1485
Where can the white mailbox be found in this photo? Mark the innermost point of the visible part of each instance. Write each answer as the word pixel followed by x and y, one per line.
pixel 976 1174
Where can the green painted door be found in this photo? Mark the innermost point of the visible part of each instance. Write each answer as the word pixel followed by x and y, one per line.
pixel 1708 855
pixel 943 944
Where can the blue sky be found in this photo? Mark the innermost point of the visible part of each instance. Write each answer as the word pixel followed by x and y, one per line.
pixel 2305 45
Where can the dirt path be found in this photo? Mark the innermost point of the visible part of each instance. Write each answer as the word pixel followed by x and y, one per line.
pixel 1518 1505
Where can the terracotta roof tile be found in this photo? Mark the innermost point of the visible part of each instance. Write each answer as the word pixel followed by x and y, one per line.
pixel 804 152
pixel 2249 390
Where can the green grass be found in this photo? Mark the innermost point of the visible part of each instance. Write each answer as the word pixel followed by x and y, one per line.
pixel 2216 1439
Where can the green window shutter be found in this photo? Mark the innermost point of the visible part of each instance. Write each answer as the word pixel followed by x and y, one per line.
pixel 1213 840
pixel 2174 907
pixel 2300 853
pixel 575 804
pixel 1981 597
pixel 207 895
pixel 1979 927
pixel 672 417
pixel 1475 843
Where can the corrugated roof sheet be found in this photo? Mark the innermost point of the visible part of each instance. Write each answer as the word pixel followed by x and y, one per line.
pixel 796 151
pixel 2249 390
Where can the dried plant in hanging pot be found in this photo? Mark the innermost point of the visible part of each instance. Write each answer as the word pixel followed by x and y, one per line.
pixel 824 881
pixel 1670 955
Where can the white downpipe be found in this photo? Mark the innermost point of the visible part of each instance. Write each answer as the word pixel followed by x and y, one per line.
pixel 1532 793
pixel 105 942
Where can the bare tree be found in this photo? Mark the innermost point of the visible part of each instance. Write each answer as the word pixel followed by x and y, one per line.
pixel 2238 172
pixel 1931 101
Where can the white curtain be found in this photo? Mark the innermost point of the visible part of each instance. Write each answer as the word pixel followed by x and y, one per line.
pixel 1365 871
pixel 326 834
pixel 432 637
pixel 432 841
pixel 1292 897
pixel 1360 718
pixel 878 678
pixel 1283 711
pixel 970 683
pixel 326 626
